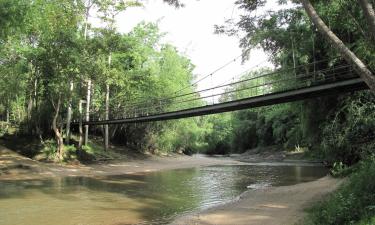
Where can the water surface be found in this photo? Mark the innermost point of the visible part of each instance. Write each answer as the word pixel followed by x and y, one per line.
pixel 152 198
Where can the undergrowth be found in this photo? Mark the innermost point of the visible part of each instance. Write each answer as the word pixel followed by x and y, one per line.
pixel 352 204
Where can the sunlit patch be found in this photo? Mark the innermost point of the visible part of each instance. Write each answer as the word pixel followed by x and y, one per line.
pixel 258 186
pixel 275 206
pixel 6 161
pixel 119 165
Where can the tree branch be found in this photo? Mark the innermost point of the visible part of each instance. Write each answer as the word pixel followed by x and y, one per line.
pixel 348 55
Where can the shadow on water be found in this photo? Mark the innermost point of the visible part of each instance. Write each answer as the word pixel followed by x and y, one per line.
pixel 150 198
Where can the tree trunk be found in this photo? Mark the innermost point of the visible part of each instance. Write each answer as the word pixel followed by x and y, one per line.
pixel 80 129
pixel 19 113
pixel 369 13
pixel 30 106
pixel 69 116
pixel 113 130
pixel 35 93
pixel 31 103
pixel 58 136
pixel 87 13
pixel 29 113
pixel 106 128
pixel 349 56
pixel 88 97
pixel 7 116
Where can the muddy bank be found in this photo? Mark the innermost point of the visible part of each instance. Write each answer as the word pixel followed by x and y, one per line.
pixel 274 154
pixel 271 206
pixel 14 166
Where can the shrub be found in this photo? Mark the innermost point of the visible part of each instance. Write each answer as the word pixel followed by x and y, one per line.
pixel 353 203
pixel 349 136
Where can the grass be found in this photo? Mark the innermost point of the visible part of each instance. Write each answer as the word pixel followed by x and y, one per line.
pixel 352 204
pixel 46 151
pixel 96 149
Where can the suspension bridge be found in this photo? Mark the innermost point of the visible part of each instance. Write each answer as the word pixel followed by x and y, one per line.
pixel 280 86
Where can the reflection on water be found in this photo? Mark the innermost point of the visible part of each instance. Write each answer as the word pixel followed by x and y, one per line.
pixel 153 198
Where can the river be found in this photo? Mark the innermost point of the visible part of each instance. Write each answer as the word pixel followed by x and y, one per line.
pixel 146 198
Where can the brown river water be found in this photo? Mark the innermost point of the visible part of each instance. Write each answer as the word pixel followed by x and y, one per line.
pixel 150 198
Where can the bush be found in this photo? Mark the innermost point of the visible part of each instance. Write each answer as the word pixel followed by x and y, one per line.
pixel 339 169
pixel 185 135
pixel 219 135
pixel 4 127
pixel 49 149
pixel 353 203
pixel 349 136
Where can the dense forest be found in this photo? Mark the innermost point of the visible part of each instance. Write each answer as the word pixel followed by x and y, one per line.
pixel 337 128
pixel 54 61
pixel 56 66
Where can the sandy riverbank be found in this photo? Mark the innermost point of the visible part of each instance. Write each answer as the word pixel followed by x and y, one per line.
pixel 275 205
pixel 14 166
pixel 272 206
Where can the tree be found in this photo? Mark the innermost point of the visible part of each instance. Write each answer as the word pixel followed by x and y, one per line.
pixel 48 52
pixel 368 11
pixel 251 23
pixel 339 45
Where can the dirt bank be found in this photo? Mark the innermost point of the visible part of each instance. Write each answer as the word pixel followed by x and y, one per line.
pixel 14 166
pixel 271 206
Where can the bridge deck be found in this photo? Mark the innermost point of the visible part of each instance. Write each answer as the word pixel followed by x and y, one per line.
pixel 349 85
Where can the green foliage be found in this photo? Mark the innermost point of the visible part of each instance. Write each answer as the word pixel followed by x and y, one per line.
pixel 46 45
pixel 367 221
pixel 43 49
pixel 12 14
pixel 288 35
pixel 339 169
pixel 184 135
pixel 353 203
pixel 219 135
pixel 49 150
pixel 4 128
pixel 247 129
pixel 348 136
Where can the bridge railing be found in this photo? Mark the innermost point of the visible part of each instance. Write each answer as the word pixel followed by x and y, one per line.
pixel 251 86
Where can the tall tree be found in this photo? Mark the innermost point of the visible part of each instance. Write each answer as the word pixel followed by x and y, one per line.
pixel 262 29
pixel 368 11
pixel 350 57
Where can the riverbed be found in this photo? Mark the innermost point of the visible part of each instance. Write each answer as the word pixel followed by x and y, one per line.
pixel 143 198
pixel 158 190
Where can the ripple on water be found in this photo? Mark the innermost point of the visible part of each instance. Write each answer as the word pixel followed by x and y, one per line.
pixel 153 198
